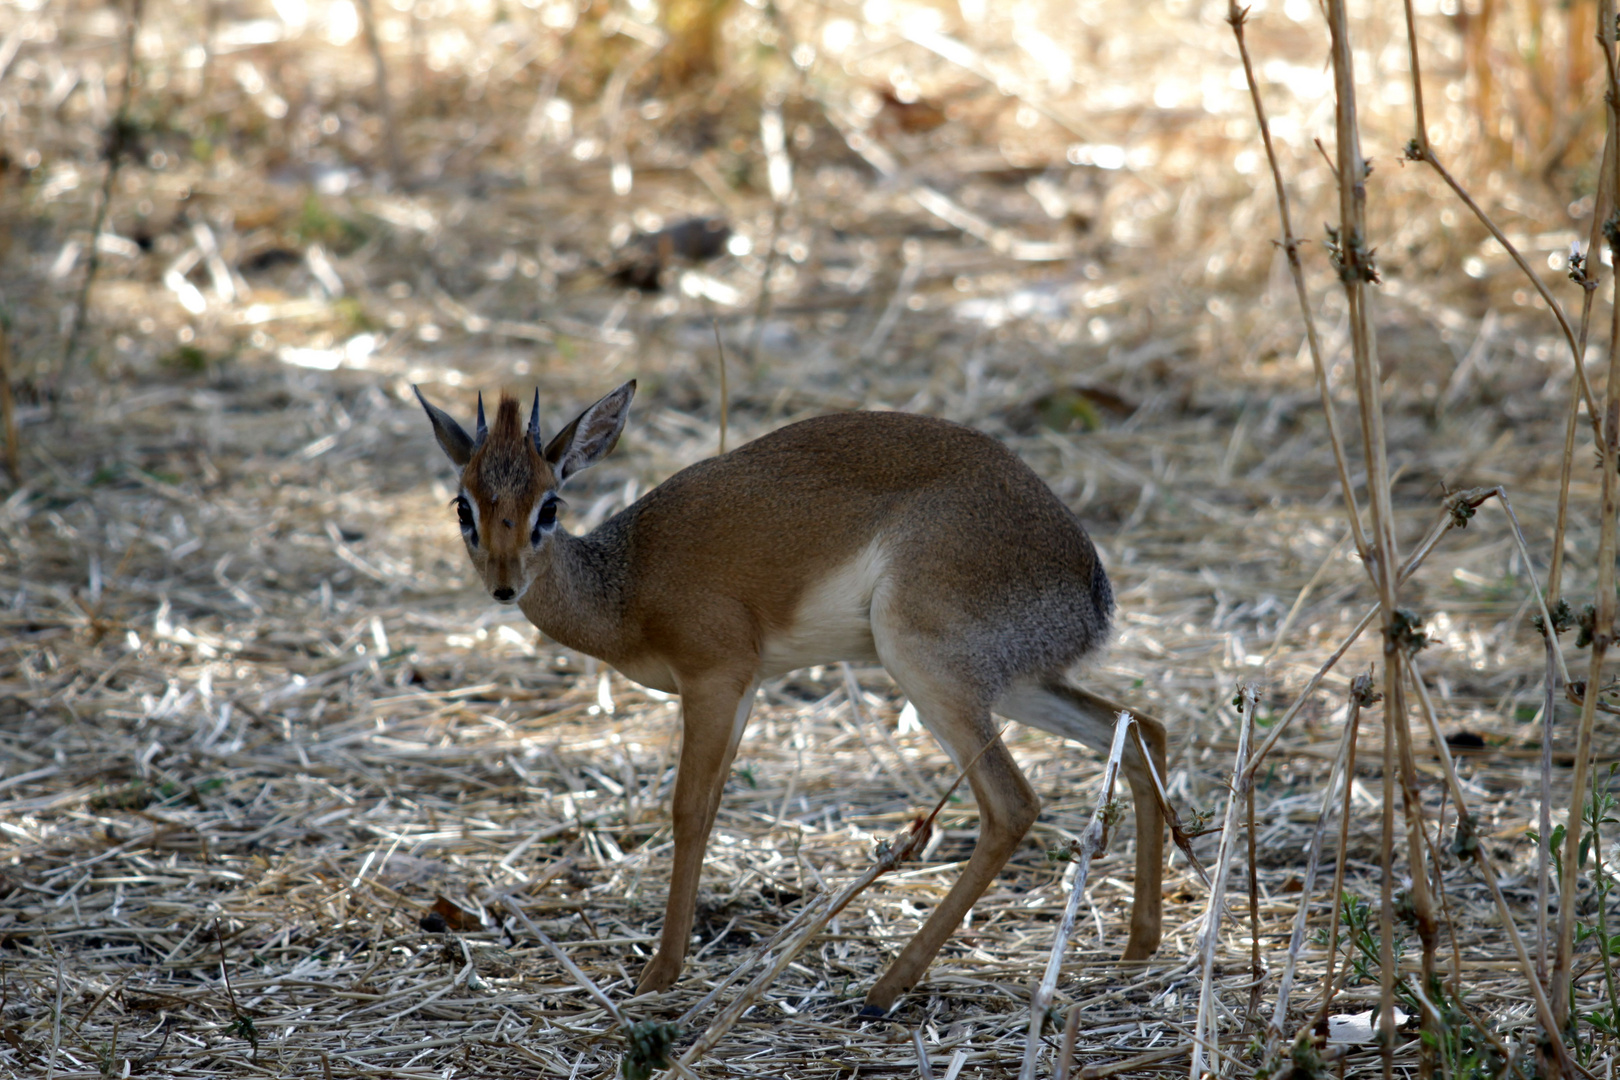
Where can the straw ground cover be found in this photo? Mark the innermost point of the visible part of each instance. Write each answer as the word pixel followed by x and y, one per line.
pixel 278 784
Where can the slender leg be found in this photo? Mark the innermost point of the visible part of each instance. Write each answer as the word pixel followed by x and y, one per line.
pixel 1008 806
pixel 713 714
pixel 1147 908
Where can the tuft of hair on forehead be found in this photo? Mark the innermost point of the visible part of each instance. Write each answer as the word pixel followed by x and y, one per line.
pixel 508 419
pixel 507 462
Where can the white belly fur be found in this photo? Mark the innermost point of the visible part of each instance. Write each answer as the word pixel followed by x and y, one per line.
pixel 833 621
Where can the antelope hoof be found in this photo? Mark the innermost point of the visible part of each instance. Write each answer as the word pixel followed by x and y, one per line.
pixel 657 976
pixel 1138 949
pixel 880 999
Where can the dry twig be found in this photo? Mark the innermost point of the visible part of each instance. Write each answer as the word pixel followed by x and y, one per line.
pixel 1081 851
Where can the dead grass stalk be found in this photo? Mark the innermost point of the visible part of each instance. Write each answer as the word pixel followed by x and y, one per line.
pixel 1081 852
pixel 1205 1030
pixel 116 146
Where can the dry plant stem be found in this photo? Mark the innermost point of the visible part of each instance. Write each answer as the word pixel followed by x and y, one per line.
pixel 725 393
pixel 385 103
pixel 1204 1032
pixel 1551 688
pixel 1257 968
pixel 8 404
pixel 925 1069
pixel 762 949
pixel 1360 690
pixel 1071 1031
pixel 1601 208
pixel 780 169
pixel 1343 762
pixel 1550 638
pixel 1445 904
pixel 1603 623
pixel 1555 677
pixel 1129 1066
pixel 1237 17
pixel 1540 286
pixel 1465 827
pixel 579 977
pixel 1422 150
pixel 1384 1026
pixel 762 304
pixel 1356 272
pixel 1090 841
pixel 1412 563
pixel 1417 846
pixel 114 148
pixel 1581 391
pixel 1555 576
pixel 1602 638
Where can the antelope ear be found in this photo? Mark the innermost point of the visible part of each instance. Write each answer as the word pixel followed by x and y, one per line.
pixel 591 435
pixel 457 445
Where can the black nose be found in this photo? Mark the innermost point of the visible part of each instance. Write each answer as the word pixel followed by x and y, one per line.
pixel 503 594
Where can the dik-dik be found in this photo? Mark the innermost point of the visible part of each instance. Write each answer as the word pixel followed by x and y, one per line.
pixel 865 536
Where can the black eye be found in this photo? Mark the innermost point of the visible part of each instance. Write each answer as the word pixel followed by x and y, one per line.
pixel 464 514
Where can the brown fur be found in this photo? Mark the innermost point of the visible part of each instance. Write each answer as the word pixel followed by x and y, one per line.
pixel 505 468
pixel 871 536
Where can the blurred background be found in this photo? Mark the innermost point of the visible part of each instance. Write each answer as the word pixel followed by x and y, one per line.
pixel 993 203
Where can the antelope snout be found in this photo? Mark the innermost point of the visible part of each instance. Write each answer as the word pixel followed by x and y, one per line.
pixel 504 577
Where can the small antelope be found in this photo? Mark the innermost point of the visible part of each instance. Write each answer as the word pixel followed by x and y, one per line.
pixel 865 536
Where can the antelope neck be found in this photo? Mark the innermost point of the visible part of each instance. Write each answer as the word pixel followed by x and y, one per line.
pixel 577 595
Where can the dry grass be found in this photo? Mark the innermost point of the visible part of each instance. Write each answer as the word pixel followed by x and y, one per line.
pixel 255 720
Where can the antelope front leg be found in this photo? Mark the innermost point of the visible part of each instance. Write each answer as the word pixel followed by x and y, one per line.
pixel 713 713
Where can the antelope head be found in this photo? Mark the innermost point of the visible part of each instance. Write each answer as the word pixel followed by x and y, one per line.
pixel 507 502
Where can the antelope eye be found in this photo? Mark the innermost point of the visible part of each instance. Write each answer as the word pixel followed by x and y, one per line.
pixel 464 514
